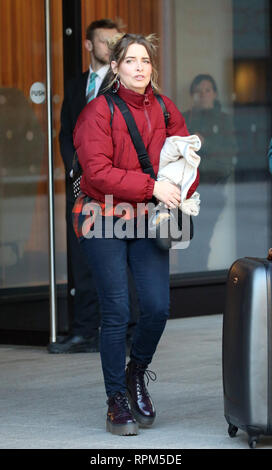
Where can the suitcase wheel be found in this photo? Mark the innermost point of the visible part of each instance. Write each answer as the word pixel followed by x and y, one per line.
pixel 252 441
pixel 232 430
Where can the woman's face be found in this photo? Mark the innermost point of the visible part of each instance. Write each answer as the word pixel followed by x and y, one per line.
pixel 135 70
pixel 204 95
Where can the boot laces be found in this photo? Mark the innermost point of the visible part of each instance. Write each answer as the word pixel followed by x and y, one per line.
pixel 149 374
pixel 122 400
pixel 122 403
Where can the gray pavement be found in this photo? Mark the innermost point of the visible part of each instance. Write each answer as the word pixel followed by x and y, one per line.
pixel 58 401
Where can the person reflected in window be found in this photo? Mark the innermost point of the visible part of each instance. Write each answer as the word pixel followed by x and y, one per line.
pixel 215 130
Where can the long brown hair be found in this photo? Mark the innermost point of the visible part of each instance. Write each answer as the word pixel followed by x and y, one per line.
pixel 119 45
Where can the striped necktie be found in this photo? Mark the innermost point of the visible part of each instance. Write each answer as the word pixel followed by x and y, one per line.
pixel 91 87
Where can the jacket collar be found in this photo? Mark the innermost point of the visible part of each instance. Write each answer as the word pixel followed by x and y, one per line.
pixel 136 100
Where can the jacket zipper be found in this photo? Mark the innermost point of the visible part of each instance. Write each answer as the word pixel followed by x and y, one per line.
pixel 146 102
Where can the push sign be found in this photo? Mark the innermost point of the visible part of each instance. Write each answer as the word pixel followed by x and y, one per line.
pixel 37 93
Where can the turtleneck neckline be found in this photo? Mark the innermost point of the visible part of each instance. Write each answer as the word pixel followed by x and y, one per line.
pixel 135 99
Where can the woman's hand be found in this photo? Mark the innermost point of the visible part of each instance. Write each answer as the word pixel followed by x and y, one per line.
pixel 168 193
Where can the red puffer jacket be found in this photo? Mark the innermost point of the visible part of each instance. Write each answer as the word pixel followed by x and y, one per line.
pixel 108 158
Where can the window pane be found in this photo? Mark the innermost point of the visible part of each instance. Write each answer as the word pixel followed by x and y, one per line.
pixel 23 145
pixel 222 58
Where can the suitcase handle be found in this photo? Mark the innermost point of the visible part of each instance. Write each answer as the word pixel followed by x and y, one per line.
pixel 269 257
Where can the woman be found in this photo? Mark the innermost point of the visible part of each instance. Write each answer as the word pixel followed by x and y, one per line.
pixel 218 151
pixel 214 128
pixel 111 167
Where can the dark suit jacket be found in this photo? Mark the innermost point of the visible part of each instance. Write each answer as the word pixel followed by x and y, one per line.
pixel 73 103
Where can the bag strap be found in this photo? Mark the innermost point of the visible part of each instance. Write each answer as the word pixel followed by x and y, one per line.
pixel 159 99
pixel 111 106
pixel 135 136
pixel 164 110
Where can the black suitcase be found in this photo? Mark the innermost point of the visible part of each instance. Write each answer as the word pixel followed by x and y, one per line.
pixel 247 348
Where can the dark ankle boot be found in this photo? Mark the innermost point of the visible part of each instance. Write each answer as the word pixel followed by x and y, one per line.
pixel 119 418
pixel 141 403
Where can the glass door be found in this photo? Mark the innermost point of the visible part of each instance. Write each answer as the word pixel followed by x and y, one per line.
pixel 25 142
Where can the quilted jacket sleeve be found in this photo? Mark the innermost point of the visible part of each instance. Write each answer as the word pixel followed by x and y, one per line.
pixel 94 146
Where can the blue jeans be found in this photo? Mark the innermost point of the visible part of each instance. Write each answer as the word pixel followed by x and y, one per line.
pixel 108 259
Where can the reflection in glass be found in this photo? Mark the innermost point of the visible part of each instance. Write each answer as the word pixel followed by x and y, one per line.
pixel 222 91
pixel 22 144
pixel 215 130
